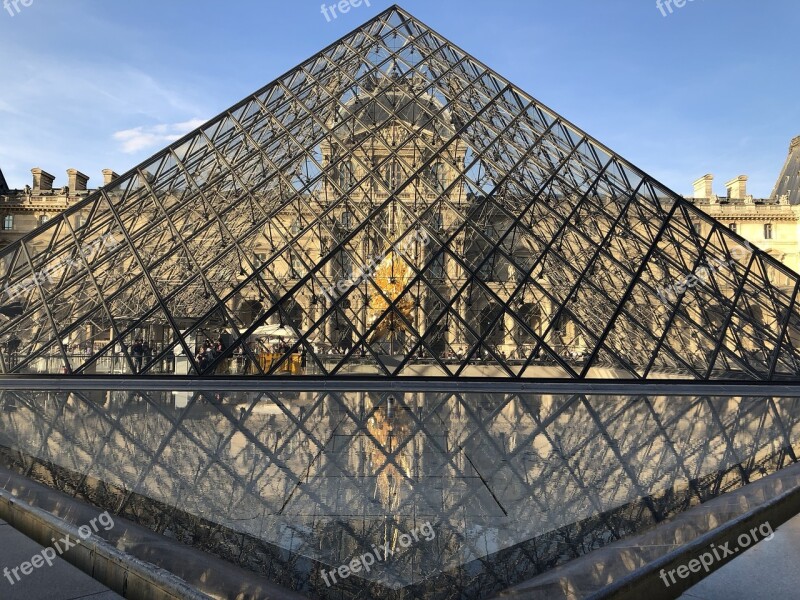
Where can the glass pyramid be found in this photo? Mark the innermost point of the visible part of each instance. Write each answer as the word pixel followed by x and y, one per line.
pixel 393 207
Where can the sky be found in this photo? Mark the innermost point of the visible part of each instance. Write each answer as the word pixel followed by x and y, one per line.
pixel 710 87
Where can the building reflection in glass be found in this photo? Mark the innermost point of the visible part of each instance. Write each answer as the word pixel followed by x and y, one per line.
pixel 513 484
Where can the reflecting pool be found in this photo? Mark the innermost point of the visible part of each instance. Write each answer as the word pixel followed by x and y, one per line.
pixel 459 495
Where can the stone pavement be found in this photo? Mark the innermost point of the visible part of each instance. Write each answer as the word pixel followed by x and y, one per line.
pixel 62 581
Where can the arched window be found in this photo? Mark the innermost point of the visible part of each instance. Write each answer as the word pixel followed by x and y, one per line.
pixel 347 219
pixel 437 265
pixel 438 178
pixel 296 269
pixel 392 174
pixel 491 325
pixel 346 175
pixel 561 324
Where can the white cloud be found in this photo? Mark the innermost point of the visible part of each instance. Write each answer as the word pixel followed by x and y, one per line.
pixel 94 99
pixel 140 138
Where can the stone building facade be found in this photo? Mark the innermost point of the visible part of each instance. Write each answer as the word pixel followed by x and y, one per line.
pixel 771 224
pixel 22 211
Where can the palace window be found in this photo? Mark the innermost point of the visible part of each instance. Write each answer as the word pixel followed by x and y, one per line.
pixel 343 265
pixel 437 266
pixel 438 176
pixel 295 266
pixel 43 219
pixel 346 175
pixel 8 222
pixel 732 227
pixel 347 219
pixel 768 231
pixel 438 221
pixel 392 174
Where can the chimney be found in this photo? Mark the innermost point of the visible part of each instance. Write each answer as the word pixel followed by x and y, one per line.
pixel 77 180
pixel 737 188
pixel 42 180
pixel 704 187
pixel 108 176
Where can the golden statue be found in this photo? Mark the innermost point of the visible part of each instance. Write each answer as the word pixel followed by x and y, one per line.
pixel 390 427
pixel 392 275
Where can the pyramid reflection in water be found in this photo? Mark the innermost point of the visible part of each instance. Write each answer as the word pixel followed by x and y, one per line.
pixel 287 484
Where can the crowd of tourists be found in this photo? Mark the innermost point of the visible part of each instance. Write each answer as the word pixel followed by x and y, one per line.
pixel 207 352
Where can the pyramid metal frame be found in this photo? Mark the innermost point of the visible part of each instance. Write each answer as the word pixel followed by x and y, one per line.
pixel 415 214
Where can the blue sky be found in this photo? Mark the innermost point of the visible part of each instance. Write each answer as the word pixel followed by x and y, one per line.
pixel 712 87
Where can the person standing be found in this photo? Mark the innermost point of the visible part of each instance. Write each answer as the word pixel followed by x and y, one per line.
pixel 138 353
